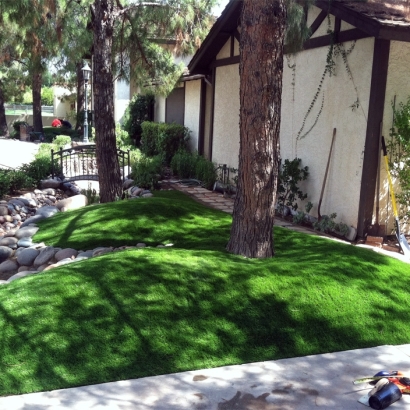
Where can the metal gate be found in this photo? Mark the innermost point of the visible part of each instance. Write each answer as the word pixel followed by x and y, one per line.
pixel 80 163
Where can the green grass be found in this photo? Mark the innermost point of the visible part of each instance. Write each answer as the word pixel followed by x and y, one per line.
pixel 154 311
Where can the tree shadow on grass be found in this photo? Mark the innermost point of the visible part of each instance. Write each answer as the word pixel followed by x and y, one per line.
pixel 154 311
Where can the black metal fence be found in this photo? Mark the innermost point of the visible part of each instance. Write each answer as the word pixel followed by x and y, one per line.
pixel 80 163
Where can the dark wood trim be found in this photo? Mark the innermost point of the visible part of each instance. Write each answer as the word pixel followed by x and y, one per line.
pixel 225 61
pixel 202 115
pixel 318 21
pixel 371 149
pixel 343 36
pixel 211 127
pixel 232 46
pixel 338 24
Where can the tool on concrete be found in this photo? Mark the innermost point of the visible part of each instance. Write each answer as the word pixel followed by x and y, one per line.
pixel 319 217
pixel 404 245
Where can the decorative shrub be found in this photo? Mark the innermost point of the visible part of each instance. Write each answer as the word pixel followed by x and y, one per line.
pixel 163 139
pixel 138 111
pixel 39 169
pixel 4 182
pixel 183 164
pixel 146 172
pixel 12 180
pixel 187 165
pixel 290 174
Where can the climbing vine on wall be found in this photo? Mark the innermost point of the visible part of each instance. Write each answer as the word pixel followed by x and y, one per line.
pixel 334 51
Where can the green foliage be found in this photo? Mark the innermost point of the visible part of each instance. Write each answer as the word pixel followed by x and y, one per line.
pixel 47 96
pixel 17 124
pixel 38 169
pixel 326 224
pixel 138 111
pixel 300 216
pixel 13 180
pixel 187 165
pixel 61 141
pixel 4 183
pixel 163 139
pixel 91 194
pixel 146 172
pixel 290 174
pixel 183 164
pixel 50 133
pixel 399 150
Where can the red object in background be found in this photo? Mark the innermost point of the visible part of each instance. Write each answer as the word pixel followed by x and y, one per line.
pixel 56 123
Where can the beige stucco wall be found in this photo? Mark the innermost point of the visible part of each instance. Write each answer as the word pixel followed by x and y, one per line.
pixel 342 189
pixel 159 108
pixel 398 84
pixel 225 148
pixel 192 107
pixel 225 51
pixel 62 109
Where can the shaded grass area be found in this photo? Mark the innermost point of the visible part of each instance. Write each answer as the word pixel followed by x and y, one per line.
pixel 154 311
pixel 169 217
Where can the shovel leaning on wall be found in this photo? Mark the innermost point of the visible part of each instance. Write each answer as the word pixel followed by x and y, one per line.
pixel 404 245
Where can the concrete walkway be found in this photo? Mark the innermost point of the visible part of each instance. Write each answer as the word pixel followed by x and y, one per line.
pixel 305 383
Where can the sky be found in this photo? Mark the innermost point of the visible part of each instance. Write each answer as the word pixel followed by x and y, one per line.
pixel 219 9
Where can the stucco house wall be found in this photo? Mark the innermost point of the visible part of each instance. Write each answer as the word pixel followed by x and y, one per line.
pixel 338 93
pixel 225 149
pixel 191 115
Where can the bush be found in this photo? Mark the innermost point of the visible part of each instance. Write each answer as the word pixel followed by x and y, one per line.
pixel 40 168
pixel 290 174
pixel 4 182
pixel 138 111
pixel 146 172
pixel 13 180
pixel 61 141
pixel 187 165
pixel 205 171
pixel 163 139
pixel 183 164
pixel 50 133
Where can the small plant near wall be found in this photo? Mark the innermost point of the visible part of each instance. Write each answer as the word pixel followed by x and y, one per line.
pixel 301 216
pixel 399 149
pixel 290 175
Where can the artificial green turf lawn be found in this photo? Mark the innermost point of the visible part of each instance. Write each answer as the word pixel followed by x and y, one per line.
pixel 160 310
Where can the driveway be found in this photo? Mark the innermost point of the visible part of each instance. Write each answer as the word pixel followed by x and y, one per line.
pixel 14 153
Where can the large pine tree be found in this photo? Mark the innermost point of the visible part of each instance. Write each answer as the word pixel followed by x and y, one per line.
pixel 127 43
pixel 263 31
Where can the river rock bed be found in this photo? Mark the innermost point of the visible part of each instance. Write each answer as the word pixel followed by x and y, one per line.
pixel 19 255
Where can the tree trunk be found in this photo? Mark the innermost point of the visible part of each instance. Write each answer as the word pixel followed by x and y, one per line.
pixel 263 25
pixel 80 96
pixel 4 129
pixel 106 151
pixel 37 119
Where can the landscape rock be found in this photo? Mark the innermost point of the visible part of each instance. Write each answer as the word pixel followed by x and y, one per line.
pixel 32 220
pixel 26 231
pixel 27 256
pixel 25 242
pixel 3 210
pixel 50 183
pixel 46 255
pixel 65 253
pixel 47 211
pixel 8 241
pixel 5 253
pixel 9 266
pixel 74 202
